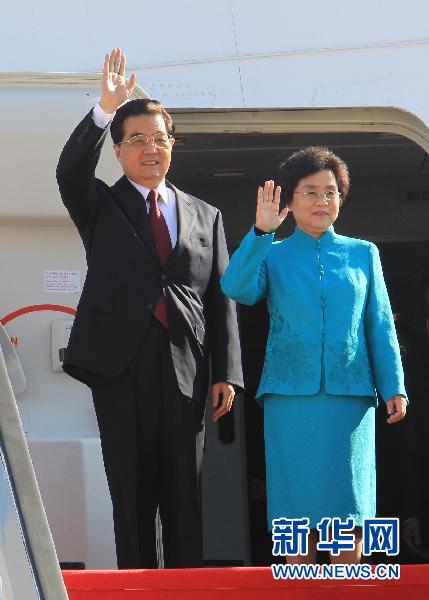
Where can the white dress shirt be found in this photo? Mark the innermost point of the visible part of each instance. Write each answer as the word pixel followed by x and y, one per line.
pixel 166 196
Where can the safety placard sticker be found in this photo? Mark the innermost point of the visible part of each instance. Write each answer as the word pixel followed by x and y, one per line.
pixel 61 281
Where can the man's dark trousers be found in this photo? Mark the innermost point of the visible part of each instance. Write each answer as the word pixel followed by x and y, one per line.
pixel 164 431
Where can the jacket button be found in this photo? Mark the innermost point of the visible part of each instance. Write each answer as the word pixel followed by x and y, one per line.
pixel 163 276
pixel 149 306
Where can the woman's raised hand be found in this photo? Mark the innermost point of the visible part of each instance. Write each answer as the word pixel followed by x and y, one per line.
pixel 114 89
pixel 268 217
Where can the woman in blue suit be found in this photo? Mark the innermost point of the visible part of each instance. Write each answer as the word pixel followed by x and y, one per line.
pixel 331 344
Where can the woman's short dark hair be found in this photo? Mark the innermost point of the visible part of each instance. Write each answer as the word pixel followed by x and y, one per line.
pixel 308 161
pixel 133 108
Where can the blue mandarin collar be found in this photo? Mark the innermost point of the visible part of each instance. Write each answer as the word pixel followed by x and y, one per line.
pixel 304 238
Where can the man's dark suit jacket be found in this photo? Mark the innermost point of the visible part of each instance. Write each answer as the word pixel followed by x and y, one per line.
pixel 125 278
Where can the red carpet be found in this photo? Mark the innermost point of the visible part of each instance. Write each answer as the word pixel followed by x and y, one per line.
pixel 238 583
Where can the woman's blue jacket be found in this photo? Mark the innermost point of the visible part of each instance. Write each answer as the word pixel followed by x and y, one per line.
pixel 329 309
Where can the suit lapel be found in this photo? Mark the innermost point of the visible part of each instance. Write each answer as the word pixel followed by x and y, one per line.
pixel 186 214
pixel 132 204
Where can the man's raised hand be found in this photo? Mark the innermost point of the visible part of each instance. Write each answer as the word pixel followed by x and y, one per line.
pixel 268 217
pixel 114 89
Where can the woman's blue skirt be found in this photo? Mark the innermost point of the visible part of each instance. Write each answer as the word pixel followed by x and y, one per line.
pixel 320 457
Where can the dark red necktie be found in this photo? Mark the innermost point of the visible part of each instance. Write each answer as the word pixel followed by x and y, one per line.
pixel 162 242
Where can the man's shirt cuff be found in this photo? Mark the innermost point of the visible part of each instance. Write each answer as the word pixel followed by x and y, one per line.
pixel 100 117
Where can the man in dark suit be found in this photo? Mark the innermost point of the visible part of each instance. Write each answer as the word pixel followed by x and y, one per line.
pixel 150 314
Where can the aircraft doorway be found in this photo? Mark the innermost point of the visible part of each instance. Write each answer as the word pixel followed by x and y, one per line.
pixel 388 204
pixel 221 156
